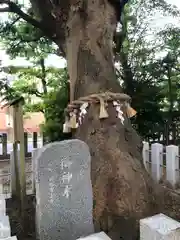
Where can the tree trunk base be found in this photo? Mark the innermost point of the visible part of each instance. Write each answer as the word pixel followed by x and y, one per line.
pixel 123 190
pixel 170 204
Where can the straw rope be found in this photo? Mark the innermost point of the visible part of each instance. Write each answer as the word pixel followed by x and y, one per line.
pixel 96 98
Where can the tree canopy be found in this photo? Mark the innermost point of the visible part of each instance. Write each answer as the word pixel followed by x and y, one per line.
pixel 140 53
pixel 141 50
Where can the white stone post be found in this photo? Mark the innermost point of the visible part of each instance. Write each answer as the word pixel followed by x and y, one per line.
pixel 145 154
pixel 156 161
pixel 172 164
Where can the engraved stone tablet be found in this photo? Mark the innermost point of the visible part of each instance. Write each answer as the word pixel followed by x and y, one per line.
pixel 64 191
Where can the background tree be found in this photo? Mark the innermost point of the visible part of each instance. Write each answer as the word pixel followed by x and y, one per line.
pixel 45 89
pixel 38 83
pixel 54 105
pixel 137 48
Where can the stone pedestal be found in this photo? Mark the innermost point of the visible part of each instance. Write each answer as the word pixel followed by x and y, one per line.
pixel 159 227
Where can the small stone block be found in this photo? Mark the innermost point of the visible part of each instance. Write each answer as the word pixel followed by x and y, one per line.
pixel 160 227
pixel 96 236
pixel 5 231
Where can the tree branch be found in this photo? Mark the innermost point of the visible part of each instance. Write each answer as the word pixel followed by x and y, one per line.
pixel 120 74
pixel 6 9
pixel 43 75
pixel 8 26
pixel 38 94
pixel 14 8
pixel 26 40
pixel 41 110
pixel 4 2
pixel 177 69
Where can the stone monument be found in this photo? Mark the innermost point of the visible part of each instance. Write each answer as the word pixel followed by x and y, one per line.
pixel 63 191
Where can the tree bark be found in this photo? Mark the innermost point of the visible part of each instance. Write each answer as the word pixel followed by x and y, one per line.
pixel 43 75
pixel 123 190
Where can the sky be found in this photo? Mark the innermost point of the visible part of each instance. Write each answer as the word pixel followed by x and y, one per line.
pixel 175 2
pixel 58 62
pixel 52 60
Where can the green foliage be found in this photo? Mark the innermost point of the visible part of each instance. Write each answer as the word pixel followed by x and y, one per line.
pixel 146 100
pixel 140 51
pixel 6 92
pixel 51 101
pixel 55 103
pixel 43 88
pixel 21 39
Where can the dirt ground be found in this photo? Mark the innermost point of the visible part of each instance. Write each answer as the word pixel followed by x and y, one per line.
pixel 23 229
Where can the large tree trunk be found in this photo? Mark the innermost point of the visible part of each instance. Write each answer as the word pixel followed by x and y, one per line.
pixel 123 190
